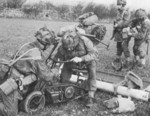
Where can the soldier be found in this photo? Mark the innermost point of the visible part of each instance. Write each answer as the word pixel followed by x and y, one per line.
pixel 141 36
pixel 89 23
pixel 88 27
pixel 123 17
pixel 29 66
pixel 80 50
pixel 85 20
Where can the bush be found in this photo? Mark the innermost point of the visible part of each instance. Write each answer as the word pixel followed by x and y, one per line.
pixel 63 11
pixel 15 3
pixel 32 10
pixel 77 11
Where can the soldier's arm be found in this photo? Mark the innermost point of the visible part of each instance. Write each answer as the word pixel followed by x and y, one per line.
pixel 44 72
pixel 91 50
pixel 142 32
pixel 125 20
pixel 60 54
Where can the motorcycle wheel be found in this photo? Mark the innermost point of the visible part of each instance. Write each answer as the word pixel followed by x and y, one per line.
pixel 34 102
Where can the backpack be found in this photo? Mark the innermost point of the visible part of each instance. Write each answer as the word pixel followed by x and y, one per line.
pixel 95 33
pixel 88 19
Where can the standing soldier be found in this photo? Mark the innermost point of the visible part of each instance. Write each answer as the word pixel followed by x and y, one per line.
pixel 141 36
pixel 123 17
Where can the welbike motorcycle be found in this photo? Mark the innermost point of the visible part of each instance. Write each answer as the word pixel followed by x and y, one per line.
pixel 56 92
pixel 36 93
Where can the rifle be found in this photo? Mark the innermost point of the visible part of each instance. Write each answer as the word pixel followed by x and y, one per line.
pixel 147 41
pixel 94 37
pixel 114 31
pixel 147 48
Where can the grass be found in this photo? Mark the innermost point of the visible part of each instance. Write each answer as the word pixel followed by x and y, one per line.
pixel 15 32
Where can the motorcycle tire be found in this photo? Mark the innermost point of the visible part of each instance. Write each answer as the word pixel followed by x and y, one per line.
pixel 34 102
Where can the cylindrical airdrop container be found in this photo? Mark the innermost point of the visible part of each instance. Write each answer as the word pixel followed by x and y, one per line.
pixel 8 86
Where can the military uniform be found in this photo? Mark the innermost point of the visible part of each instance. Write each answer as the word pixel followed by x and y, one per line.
pixel 123 16
pixel 38 66
pixel 87 25
pixel 141 39
pixel 88 53
pixel 9 104
pixel 32 63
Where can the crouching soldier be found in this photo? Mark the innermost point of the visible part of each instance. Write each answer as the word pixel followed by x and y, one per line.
pixel 88 26
pixel 79 50
pixel 28 64
pixel 94 31
pixel 141 36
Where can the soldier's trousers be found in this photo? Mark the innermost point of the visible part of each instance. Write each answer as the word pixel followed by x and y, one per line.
pixel 8 104
pixel 91 68
pixel 139 49
pixel 123 47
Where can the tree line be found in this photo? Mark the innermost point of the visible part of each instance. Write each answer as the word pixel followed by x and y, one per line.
pixel 64 11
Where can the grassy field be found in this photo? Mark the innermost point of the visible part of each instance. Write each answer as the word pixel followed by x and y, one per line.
pixel 16 32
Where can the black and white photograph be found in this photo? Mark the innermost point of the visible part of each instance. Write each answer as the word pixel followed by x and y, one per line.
pixel 74 58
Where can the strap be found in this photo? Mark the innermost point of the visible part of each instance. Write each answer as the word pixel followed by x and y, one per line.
pixel 20 50
pixel 14 61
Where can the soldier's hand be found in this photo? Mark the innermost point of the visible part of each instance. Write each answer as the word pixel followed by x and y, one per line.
pixel 116 25
pixel 76 59
pixel 134 30
pixel 129 34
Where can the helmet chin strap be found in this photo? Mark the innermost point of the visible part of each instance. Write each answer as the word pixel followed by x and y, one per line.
pixel 41 45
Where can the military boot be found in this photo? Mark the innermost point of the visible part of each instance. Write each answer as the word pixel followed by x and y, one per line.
pixel 128 64
pixel 89 102
pixel 90 99
pixel 117 63
pixel 142 63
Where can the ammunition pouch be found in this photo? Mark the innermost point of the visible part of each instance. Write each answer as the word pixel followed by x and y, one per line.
pixel 125 32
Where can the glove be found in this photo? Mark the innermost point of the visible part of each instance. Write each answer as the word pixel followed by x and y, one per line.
pixel 76 59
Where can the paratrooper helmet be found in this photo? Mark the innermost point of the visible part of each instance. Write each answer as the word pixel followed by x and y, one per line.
pixel 121 2
pixel 70 40
pixel 140 14
pixel 45 36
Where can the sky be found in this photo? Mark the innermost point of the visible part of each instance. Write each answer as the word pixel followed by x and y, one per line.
pixel 132 4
